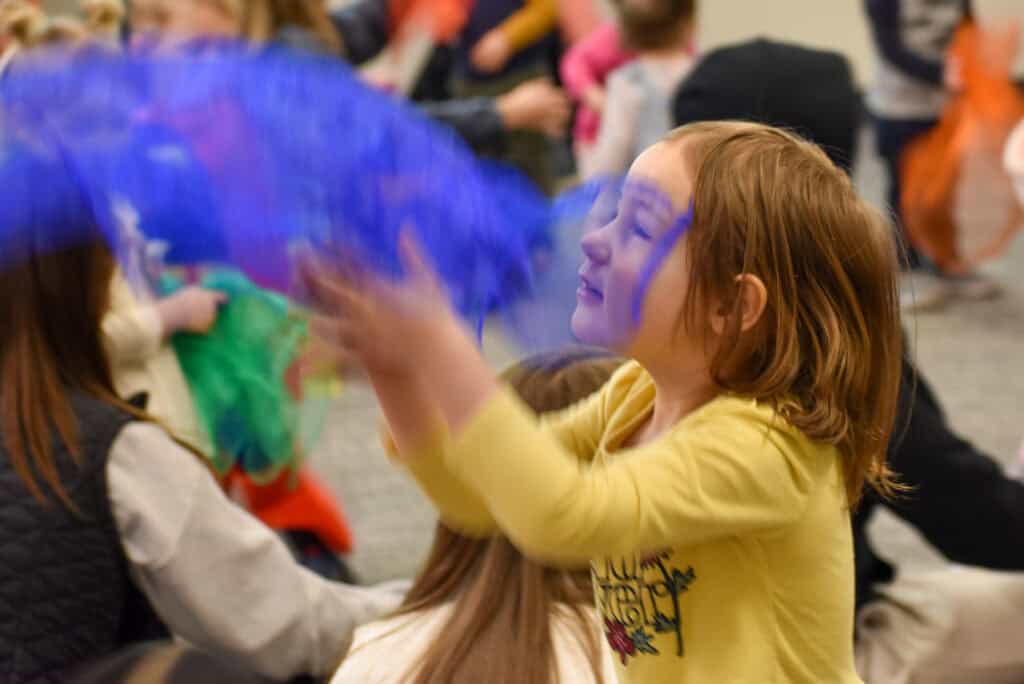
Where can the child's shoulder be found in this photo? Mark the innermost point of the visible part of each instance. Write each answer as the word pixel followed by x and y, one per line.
pixel 628 375
pixel 757 421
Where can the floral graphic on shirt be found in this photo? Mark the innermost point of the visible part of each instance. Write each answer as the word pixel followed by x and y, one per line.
pixel 653 559
pixel 642 641
pixel 628 644
pixel 619 641
pixel 639 599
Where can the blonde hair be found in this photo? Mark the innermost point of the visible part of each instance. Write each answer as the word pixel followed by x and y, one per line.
pixel 22 22
pixel 826 351
pixel 103 17
pixel 28 26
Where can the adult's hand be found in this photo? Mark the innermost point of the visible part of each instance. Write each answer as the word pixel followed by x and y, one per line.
pixel 536 105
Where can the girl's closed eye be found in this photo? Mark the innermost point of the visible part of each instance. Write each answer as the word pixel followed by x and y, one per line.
pixel 638 231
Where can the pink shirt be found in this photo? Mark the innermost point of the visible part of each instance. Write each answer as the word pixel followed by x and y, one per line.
pixel 588 63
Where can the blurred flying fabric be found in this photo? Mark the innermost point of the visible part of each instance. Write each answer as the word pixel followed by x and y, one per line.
pixel 958 200
pixel 230 156
pixel 230 159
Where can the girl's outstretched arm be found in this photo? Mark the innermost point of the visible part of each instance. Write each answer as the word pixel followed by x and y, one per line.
pixel 733 468
pixel 418 437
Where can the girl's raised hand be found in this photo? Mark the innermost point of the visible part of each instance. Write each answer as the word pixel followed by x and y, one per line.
pixel 376 324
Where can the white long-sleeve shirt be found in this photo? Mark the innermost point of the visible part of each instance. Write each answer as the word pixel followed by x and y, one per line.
pixel 217 576
pixel 142 360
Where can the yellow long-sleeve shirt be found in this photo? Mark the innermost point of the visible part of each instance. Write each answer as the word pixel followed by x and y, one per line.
pixel 721 551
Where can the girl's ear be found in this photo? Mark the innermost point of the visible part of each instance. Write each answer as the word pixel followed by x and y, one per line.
pixel 749 302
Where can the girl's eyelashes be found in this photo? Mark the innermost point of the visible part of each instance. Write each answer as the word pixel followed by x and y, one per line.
pixel 638 231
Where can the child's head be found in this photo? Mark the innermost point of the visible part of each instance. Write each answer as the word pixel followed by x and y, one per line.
pixel 22 22
pixel 183 20
pixel 103 17
pixel 499 630
pixel 782 286
pixel 648 25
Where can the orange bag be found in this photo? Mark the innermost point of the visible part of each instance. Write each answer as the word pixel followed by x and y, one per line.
pixel 958 203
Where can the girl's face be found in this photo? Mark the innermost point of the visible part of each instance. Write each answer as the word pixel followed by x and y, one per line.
pixel 172 22
pixel 635 272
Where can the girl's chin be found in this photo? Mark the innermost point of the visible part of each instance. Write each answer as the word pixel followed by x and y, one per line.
pixel 588 329
pixel 585 329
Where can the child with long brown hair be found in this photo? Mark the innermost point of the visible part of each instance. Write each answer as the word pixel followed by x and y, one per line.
pixel 113 532
pixel 710 482
pixel 480 611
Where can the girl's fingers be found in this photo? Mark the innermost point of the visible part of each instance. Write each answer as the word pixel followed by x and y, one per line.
pixel 344 337
pixel 324 328
pixel 310 278
pixel 413 259
pixel 330 291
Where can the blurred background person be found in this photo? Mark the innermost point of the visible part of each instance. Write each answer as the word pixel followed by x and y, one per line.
pixel 910 89
pixel 637 107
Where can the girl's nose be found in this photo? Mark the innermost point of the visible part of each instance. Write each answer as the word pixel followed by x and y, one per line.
pixel 595 246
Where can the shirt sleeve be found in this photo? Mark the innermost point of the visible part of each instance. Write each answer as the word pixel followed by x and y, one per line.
pixel 612 153
pixel 588 62
pixel 217 576
pixel 132 331
pixel 729 471
pixel 457 505
pixel 475 119
pixel 525 27
pixel 576 429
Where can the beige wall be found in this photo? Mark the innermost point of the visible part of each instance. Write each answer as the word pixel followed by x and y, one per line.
pixel 833 24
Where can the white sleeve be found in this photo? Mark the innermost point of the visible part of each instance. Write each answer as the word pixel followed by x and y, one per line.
pixel 218 577
pixel 132 330
pixel 612 152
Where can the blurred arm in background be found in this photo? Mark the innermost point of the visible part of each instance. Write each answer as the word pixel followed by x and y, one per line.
pixel 482 121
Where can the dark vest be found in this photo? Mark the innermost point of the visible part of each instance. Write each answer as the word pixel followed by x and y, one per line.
pixel 65 594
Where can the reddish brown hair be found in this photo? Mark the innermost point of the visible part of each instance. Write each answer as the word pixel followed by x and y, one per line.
pixel 826 351
pixel 55 275
pixel 500 627
pixel 51 305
